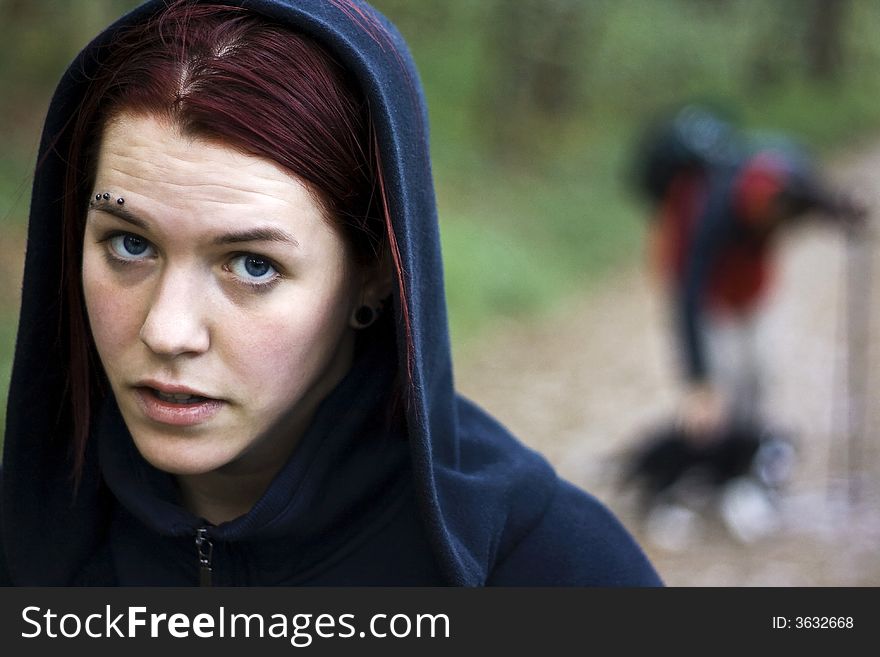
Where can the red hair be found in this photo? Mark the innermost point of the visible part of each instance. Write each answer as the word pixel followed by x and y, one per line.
pixel 223 73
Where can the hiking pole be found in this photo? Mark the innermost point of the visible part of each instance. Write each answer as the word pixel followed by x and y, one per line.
pixel 858 296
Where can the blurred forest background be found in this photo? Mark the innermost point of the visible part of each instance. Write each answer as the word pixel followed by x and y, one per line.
pixel 534 106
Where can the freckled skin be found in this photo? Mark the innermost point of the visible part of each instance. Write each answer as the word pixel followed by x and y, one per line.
pixel 184 316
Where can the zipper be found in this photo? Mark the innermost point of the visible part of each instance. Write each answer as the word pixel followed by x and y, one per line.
pixel 205 549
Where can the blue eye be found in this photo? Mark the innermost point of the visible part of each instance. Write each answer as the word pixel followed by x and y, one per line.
pixel 129 247
pixel 252 268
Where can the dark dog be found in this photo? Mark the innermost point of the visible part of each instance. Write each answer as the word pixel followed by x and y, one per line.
pixel 666 458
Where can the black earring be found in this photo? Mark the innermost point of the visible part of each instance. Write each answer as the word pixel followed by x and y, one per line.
pixel 364 316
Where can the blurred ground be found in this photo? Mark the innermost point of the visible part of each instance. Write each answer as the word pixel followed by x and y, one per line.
pixel 581 385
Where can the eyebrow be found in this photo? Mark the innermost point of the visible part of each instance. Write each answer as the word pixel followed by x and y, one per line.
pixel 261 234
pixel 266 234
pixel 121 213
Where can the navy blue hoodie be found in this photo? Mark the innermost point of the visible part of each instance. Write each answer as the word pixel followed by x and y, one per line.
pixel 442 496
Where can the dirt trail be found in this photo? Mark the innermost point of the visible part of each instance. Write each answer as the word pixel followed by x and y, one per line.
pixel 581 384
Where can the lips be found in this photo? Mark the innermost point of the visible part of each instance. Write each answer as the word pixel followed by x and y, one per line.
pixel 178 397
pixel 176 405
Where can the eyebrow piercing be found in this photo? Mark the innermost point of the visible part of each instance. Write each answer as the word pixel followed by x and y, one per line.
pixel 106 196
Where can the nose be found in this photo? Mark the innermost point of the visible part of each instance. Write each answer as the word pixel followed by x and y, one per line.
pixel 176 322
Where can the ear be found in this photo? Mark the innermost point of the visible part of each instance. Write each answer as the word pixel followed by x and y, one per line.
pixel 376 286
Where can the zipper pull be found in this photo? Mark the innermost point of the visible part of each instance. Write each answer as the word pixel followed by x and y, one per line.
pixel 205 548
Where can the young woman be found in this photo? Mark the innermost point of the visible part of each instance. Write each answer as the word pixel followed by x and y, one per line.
pixel 233 364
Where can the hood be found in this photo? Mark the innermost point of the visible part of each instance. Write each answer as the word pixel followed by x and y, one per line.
pixel 44 520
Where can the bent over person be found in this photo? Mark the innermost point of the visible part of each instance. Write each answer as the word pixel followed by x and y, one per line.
pixel 720 198
pixel 246 378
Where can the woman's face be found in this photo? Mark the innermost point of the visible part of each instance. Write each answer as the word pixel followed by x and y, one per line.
pixel 218 295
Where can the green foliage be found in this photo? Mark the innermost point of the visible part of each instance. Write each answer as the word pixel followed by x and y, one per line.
pixel 542 195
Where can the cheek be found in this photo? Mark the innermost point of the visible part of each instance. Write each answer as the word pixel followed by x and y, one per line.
pixel 113 312
pixel 291 343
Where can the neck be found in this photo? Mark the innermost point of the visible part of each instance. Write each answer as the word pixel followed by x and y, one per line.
pixel 219 496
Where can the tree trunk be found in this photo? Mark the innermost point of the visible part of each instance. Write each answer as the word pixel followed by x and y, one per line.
pixel 536 49
pixel 824 46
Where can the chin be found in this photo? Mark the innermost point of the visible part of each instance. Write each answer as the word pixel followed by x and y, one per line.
pixel 182 455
